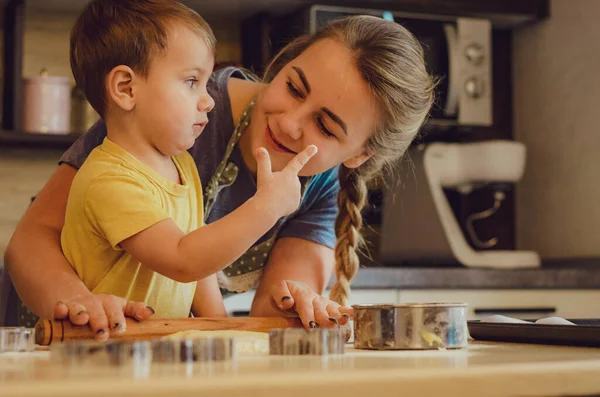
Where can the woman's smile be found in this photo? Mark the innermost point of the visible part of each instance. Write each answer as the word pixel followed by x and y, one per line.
pixel 274 143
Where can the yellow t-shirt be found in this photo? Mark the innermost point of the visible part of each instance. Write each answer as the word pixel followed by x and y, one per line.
pixel 115 196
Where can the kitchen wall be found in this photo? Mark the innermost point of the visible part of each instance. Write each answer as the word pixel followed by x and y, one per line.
pixel 557 115
pixel 24 172
pixel 47 43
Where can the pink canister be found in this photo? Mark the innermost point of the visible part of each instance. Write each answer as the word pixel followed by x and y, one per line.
pixel 47 104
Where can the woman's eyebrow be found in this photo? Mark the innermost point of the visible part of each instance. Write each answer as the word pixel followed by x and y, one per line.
pixel 335 118
pixel 332 115
pixel 302 78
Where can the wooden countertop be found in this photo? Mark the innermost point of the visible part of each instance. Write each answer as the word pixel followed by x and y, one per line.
pixel 483 369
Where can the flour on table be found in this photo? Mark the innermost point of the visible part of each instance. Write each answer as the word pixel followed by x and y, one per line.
pixel 247 343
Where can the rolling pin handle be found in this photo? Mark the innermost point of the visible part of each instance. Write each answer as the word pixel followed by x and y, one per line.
pixel 43 333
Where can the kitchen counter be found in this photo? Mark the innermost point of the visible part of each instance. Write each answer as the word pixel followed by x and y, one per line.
pixel 564 274
pixel 570 289
pixel 482 369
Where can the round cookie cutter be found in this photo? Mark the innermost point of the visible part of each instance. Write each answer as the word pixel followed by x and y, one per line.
pixel 408 326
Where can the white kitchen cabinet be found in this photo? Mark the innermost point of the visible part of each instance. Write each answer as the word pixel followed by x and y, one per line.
pixel 242 302
pixel 372 296
pixel 530 304
pixel 239 302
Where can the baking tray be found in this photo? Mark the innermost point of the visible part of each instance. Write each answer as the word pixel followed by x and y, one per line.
pixel 586 332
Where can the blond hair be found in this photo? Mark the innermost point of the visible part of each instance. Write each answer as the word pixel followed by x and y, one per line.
pixel 390 60
pixel 109 33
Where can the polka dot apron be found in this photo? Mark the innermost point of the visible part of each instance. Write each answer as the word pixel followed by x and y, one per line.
pixel 243 274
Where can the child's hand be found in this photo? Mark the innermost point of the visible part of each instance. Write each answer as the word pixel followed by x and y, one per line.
pixel 281 190
pixel 104 313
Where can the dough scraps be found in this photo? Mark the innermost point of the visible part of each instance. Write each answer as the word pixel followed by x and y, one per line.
pixel 247 343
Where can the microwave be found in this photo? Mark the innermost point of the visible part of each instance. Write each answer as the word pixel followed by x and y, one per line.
pixel 457 50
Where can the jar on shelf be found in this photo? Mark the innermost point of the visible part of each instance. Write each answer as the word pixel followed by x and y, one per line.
pixel 47 104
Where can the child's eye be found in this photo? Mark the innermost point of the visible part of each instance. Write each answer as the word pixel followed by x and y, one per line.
pixel 293 90
pixel 191 82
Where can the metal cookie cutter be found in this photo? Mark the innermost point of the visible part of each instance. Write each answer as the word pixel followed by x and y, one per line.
pixel 299 341
pixel 410 326
pixel 17 339
pixel 78 353
pixel 193 350
pixel 125 353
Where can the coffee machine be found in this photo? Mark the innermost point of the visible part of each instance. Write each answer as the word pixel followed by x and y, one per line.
pixel 418 225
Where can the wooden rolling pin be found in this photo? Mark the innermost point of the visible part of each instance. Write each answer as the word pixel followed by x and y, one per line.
pixel 49 331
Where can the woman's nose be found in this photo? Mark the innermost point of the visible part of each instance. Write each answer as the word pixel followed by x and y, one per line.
pixel 291 125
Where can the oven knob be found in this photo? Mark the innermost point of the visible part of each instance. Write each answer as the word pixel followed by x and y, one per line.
pixel 474 87
pixel 474 54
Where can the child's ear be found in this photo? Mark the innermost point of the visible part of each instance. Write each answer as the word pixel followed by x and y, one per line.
pixel 119 87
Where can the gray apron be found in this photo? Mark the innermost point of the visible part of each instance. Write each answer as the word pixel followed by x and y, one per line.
pixel 244 273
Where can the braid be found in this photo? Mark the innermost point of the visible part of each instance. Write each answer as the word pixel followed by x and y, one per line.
pixel 390 61
pixel 351 199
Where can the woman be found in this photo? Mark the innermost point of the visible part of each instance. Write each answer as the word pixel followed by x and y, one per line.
pixel 358 90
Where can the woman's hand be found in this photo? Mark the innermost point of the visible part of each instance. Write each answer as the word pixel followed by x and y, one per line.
pixel 314 310
pixel 104 313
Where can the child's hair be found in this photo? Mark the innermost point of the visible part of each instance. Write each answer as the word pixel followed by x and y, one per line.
pixel 391 62
pixel 109 33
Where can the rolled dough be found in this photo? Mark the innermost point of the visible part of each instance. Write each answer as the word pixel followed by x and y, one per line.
pixel 247 343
